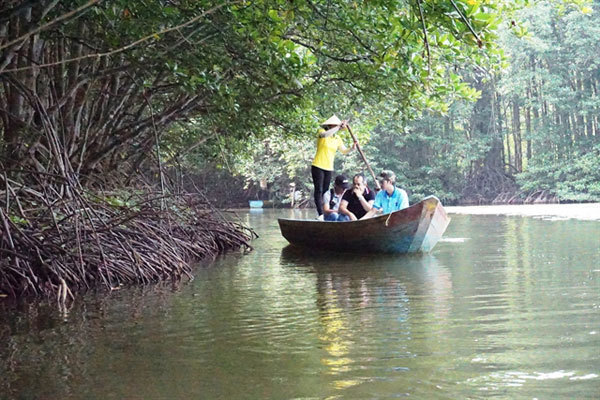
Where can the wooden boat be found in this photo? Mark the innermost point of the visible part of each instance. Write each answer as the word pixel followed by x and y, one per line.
pixel 414 229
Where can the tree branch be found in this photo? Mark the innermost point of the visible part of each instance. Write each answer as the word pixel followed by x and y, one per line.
pixel 49 24
pixel 425 37
pixel 466 21
pixel 124 48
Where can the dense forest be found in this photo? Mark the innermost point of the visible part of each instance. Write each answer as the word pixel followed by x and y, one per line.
pixel 526 130
pixel 125 126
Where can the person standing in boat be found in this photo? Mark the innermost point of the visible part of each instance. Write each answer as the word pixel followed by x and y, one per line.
pixel 390 198
pixel 333 197
pixel 358 201
pixel 322 166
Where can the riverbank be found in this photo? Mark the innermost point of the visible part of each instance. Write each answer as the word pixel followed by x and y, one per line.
pixel 581 211
pixel 58 238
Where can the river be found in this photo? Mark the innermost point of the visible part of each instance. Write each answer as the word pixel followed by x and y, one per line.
pixel 504 307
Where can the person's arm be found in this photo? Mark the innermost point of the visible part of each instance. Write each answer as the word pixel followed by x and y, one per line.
pixel 344 150
pixel 366 204
pixel 376 207
pixel 371 213
pixel 404 203
pixel 326 133
pixel 326 209
pixel 344 210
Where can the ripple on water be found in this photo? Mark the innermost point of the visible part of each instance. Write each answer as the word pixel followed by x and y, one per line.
pixel 504 307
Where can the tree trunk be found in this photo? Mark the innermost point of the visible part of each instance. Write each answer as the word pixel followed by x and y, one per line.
pixel 528 131
pixel 507 145
pixel 516 127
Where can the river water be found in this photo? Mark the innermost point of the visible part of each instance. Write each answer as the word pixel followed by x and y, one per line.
pixel 503 307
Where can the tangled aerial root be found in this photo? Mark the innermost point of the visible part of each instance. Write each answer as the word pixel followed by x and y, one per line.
pixel 57 239
pixel 488 186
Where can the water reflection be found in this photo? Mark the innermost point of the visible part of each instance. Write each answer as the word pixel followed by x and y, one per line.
pixel 46 355
pixel 505 307
pixel 383 297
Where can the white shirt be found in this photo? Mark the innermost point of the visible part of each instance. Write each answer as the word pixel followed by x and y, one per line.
pixel 336 199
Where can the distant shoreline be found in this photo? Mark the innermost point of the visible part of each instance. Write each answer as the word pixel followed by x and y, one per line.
pixel 581 211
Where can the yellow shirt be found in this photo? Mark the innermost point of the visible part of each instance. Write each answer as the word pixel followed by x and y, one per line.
pixel 326 148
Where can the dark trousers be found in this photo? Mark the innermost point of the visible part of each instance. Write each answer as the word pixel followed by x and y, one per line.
pixel 321 180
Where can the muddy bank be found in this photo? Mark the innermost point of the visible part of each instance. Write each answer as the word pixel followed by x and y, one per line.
pixel 587 211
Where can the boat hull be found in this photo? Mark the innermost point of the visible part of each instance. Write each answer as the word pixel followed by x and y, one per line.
pixel 415 229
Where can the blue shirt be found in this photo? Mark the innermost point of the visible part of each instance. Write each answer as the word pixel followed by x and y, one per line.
pixel 397 201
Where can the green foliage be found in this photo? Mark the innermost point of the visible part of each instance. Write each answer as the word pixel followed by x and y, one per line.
pixel 242 86
pixel 576 179
pixel 17 220
pixel 428 154
pixel 453 141
pixel 271 161
pixel 364 61
pixel 305 61
pixel 552 76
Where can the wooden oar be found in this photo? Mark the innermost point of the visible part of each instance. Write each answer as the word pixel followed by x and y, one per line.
pixel 364 158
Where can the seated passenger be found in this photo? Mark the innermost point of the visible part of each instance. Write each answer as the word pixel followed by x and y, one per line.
pixel 333 197
pixel 390 198
pixel 358 201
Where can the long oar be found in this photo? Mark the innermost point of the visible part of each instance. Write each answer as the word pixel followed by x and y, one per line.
pixel 364 158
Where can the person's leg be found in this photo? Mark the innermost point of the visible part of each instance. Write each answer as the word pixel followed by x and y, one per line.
pixel 332 217
pixel 343 218
pixel 326 181
pixel 318 177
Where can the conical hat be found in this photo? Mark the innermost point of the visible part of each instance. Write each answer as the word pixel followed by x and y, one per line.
pixel 333 120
